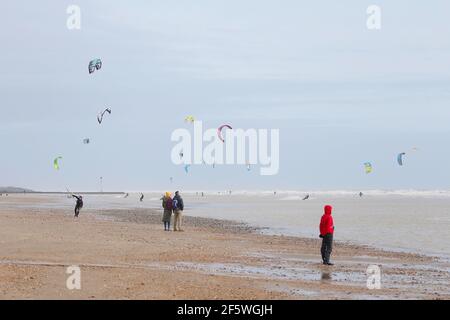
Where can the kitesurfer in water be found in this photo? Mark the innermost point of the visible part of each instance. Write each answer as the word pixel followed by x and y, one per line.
pixel 78 205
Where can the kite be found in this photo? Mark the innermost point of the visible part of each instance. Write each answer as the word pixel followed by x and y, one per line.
pixel 186 168
pixel 400 158
pixel 101 114
pixel 55 163
pixel 95 64
pixel 219 131
pixel 190 119
pixel 368 167
pixel 86 141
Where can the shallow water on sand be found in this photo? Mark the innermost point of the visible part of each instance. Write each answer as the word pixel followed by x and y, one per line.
pixel 418 223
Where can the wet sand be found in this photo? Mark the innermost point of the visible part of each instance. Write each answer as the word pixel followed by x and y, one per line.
pixel 125 254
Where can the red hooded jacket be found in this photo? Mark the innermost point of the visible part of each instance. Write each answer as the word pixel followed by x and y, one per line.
pixel 326 223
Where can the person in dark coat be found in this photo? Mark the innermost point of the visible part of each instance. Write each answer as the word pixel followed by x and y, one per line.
pixel 167 215
pixel 178 207
pixel 78 205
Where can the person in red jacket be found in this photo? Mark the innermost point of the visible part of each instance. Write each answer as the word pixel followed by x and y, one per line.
pixel 326 233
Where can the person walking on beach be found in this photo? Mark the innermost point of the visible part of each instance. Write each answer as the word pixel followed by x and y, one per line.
pixel 326 233
pixel 167 215
pixel 178 207
pixel 78 205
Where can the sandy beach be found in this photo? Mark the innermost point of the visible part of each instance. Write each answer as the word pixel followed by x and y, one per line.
pixel 125 254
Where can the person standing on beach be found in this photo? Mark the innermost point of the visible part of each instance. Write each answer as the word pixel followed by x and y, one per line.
pixel 78 205
pixel 178 207
pixel 167 215
pixel 326 233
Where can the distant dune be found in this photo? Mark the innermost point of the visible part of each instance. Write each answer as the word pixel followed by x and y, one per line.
pixel 24 190
pixel 14 190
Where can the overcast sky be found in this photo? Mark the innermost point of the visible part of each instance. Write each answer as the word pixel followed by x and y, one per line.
pixel 340 94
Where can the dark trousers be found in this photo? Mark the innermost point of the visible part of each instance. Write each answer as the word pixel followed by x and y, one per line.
pixel 77 211
pixel 327 247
